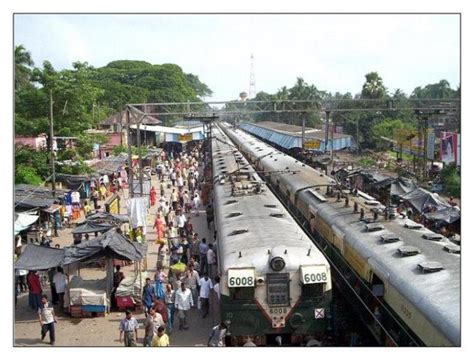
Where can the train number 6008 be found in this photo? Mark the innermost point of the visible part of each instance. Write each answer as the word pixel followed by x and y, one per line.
pixel 312 278
pixel 241 281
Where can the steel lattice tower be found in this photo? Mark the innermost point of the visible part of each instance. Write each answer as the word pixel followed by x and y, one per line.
pixel 252 90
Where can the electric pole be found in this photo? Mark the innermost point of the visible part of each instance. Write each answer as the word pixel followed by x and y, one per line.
pixel 303 132
pixel 51 143
pixel 53 169
pixel 326 135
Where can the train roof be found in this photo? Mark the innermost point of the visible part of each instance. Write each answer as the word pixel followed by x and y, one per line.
pixel 251 225
pixel 436 295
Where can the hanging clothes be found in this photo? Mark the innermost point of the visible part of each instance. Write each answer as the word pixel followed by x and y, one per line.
pixel 75 197
pixel 87 190
pixel 105 180
pixel 137 211
pixel 68 198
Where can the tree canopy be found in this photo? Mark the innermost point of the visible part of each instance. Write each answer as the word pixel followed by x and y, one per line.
pixel 84 95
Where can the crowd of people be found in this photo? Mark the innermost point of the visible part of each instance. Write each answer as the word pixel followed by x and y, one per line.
pixel 186 273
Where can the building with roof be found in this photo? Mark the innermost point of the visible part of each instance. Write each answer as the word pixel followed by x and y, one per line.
pixel 156 134
pixel 289 136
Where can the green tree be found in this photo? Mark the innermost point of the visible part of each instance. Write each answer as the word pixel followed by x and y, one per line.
pixel 23 64
pixel 38 160
pixel 85 143
pixel 451 180
pixel 25 174
pixel 201 89
pixel 439 90
pixel 373 87
pixel 386 129
pixel 117 150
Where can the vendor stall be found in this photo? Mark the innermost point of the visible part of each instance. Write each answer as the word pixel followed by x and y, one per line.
pixel 86 297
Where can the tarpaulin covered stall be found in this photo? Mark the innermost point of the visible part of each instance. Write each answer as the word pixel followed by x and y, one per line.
pixel 402 186
pixel 108 217
pixel 420 199
pixel 36 257
pixel 87 292
pixel 111 244
pixel 24 221
pixel 91 227
pixel 447 215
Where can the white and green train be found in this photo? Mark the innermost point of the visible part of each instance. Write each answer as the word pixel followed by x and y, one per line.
pixel 412 273
pixel 274 280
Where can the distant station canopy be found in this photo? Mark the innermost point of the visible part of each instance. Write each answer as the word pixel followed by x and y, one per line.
pixel 290 136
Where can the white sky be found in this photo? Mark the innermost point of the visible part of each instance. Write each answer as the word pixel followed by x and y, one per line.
pixel 334 52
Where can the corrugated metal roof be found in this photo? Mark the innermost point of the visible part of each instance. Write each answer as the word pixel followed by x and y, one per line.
pixel 295 130
pixel 290 140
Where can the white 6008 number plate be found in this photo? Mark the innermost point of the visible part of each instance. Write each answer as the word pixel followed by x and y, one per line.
pixel 314 274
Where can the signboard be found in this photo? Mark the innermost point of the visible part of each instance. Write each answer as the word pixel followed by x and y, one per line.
pixel 458 153
pixel 312 144
pixel 449 147
pixel 319 313
pixel 314 274
pixel 241 277
pixel 185 137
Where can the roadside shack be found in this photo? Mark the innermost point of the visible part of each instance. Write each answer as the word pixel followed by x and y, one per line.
pixel 85 298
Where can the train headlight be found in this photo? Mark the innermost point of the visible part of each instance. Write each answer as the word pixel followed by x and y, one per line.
pixel 277 264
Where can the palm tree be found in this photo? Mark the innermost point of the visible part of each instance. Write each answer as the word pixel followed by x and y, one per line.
pixel 373 87
pixel 23 62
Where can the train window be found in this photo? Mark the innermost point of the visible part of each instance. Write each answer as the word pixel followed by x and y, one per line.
pixel 310 291
pixel 278 289
pixel 242 293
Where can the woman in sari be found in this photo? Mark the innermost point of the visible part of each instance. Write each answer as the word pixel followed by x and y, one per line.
pixel 160 232
pixel 152 196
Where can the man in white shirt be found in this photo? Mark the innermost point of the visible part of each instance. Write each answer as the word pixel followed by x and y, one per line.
pixel 181 219
pixel 47 319
pixel 183 302
pixel 217 291
pixel 206 286
pixel 211 261
pixel 59 280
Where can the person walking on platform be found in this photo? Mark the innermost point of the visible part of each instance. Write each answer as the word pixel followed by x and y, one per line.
pixel 183 302
pixel 169 301
pixel 47 319
pixel 148 296
pixel 205 285
pixel 211 261
pixel 129 330
pixel 160 339
pixel 203 248
pixel 152 196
